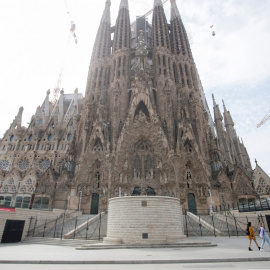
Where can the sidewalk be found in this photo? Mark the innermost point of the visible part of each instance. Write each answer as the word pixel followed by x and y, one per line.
pixel 234 249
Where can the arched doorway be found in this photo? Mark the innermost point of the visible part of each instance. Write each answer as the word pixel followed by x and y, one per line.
pixel 192 203
pixel 136 192
pixel 94 204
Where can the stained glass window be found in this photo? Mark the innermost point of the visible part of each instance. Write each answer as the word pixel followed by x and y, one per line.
pixel 4 164
pixel 24 164
pixel 44 164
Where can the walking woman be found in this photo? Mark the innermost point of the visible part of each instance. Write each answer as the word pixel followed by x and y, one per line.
pixel 251 236
pixel 264 237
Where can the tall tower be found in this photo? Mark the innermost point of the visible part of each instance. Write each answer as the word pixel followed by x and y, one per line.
pixel 144 127
pixel 120 77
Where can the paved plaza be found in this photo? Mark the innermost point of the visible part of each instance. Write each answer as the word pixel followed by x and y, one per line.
pixel 228 250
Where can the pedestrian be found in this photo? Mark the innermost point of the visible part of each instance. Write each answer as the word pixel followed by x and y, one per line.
pixel 251 236
pixel 264 237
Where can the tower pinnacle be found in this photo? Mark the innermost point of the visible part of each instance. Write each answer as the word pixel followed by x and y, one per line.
pixel 174 10
pixel 106 17
pixel 124 4
pixel 158 3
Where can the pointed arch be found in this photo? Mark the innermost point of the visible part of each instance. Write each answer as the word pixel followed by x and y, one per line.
pixel 142 107
pixel 98 145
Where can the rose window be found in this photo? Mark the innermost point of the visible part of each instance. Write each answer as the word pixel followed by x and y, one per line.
pixel 24 164
pixel 4 164
pixel 44 164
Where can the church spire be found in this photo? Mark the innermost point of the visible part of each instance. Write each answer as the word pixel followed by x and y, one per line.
pixel 174 10
pixel 102 50
pixel 122 33
pixel 227 116
pixel 217 113
pixel 179 40
pixel 160 30
pixel 102 47
pixel 124 4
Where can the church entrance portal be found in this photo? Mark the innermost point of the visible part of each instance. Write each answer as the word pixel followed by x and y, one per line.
pixel 94 204
pixel 192 203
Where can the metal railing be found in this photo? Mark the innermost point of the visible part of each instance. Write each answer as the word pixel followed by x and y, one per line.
pixel 219 223
pixel 67 226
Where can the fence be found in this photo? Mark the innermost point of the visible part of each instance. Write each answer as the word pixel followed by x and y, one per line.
pixel 66 226
pixel 221 223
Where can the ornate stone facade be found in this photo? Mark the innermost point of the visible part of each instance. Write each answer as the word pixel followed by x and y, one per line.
pixel 143 127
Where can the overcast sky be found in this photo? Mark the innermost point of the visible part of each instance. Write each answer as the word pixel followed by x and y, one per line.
pixel 234 65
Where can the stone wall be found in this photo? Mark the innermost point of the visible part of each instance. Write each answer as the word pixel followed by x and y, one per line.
pixel 144 220
pixel 26 214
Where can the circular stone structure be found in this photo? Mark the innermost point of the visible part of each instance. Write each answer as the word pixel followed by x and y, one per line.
pixel 144 220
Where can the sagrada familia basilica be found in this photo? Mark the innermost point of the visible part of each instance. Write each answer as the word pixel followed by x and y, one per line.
pixel 143 127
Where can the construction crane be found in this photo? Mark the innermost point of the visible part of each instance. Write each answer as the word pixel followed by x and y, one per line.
pixel 151 11
pixel 264 120
pixel 72 35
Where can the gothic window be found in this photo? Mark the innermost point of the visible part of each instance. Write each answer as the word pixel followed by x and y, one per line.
pixel 12 189
pixel 50 137
pixel 188 146
pixel 24 164
pixel 141 107
pixel 28 182
pixel 11 181
pixel 30 138
pixel 44 164
pixel 23 189
pixel 11 138
pixel 260 190
pixel 5 189
pixel 148 164
pixel 137 164
pixel 98 146
pixel 98 164
pixel 97 180
pixel 262 182
pixel 69 137
pixel 142 145
pixel 4 164
pixel 31 189
pixel 267 189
